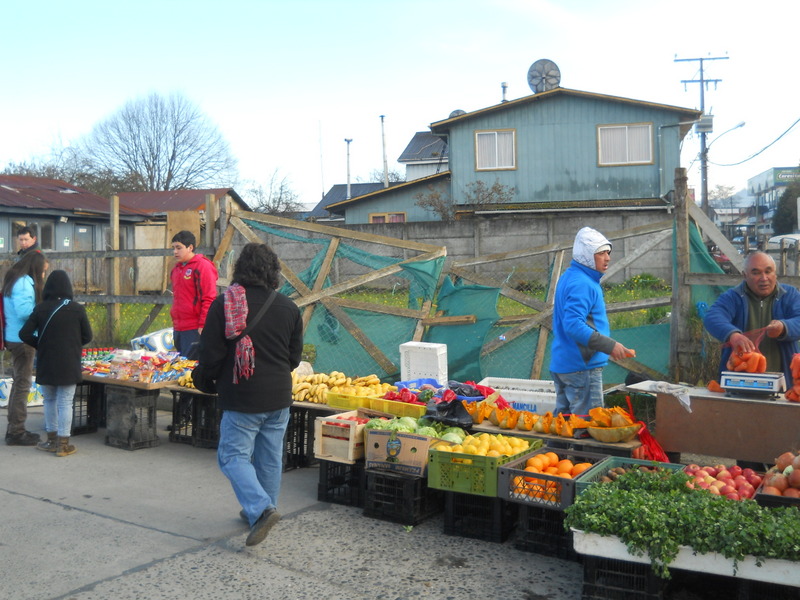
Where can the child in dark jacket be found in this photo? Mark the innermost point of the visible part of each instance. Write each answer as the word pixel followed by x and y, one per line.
pixel 58 328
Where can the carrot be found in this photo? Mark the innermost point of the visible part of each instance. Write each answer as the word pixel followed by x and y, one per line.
pixel 753 361
pixel 762 363
pixel 713 386
pixel 631 353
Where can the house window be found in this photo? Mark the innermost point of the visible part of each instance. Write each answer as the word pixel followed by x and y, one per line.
pixel 43 230
pixel 625 144
pixel 399 217
pixel 495 150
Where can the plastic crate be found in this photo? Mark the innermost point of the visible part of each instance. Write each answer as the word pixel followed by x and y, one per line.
pixel 770 501
pixel 131 417
pixel 181 429
pixel 347 401
pixel 594 474
pixel 399 409
pixel 299 439
pixel 206 417
pixel 761 590
pixel 534 395
pixel 341 483
pixel 468 473
pixel 612 579
pixel 541 530
pixel 415 384
pixel 518 485
pixel 400 498
pixel 86 408
pixel 479 517
pixel 423 360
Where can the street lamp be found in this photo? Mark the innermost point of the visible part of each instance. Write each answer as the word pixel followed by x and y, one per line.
pixel 704 166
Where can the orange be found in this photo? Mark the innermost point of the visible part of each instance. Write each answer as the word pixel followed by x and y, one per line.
pixel 535 461
pixel 552 457
pixel 580 468
pixel 565 466
pixel 531 470
pixel 551 470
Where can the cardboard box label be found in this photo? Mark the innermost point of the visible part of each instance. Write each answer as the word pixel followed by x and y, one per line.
pixel 399 452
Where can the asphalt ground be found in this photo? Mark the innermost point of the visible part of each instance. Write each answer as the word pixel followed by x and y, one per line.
pixel 162 522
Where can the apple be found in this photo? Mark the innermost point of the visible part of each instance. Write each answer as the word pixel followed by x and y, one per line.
pixel 727 489
pixel 735 470
pixel 709 480
pixel 748 472
pixel 691 468
pixel 714 490
pixel 733 496
pixel 690 485
pixel 711 471
pixel 746 490
pixel 755 480
pixel 720 467
pixel 701 473
pixel 724 474
pixel 719 484
pixel 738 479
pixel 703 485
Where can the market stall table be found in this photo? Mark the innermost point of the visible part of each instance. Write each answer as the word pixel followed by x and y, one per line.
pixel 746 429
pixel 130 411
pixel 586 444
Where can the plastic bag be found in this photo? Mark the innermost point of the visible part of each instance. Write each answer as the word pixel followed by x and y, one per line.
pixel 452 413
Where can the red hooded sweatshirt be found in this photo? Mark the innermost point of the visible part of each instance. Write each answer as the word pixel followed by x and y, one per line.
pixel 194 287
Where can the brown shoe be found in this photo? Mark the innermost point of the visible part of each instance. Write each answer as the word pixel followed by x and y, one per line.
pixel 64 448
pixel 261 528
pixel 50 444
pixel 26 438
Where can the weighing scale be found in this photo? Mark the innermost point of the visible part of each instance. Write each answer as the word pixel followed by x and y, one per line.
pixel 752 384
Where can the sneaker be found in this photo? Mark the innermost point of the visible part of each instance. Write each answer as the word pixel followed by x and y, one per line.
pixel 259 531
pixel 26 438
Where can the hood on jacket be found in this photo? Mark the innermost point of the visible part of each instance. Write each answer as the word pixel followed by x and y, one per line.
pixel 588 242
pixel 58 286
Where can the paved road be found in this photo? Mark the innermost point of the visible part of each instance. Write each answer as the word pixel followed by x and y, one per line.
pixel 162 522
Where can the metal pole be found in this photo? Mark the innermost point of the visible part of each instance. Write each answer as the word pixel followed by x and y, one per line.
pixel 385 164
pixel 348 140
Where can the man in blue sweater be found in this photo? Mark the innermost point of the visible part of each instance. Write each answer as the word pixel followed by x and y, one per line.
pixel 581 343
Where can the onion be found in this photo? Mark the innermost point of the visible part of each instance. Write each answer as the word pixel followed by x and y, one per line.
pixel 777 480
pixel 796 462
pixel 794 479
pixel 784 460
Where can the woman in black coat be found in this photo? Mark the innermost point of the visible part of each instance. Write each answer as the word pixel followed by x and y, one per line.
pixel 58 328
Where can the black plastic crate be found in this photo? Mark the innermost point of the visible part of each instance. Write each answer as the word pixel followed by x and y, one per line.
pixel 299 439
pixel 341 483
pixel 206 417
pixel 761 590
pixel 87 405
pixel 480 517
pixel 400 498
pixel 611 579
pixel 181 429
pixel 541 530
pixel 131 417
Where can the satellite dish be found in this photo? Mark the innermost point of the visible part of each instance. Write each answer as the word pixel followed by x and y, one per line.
pixel 456 113
pixel 543 75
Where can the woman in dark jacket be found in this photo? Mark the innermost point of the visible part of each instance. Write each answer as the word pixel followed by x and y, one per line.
pixel 58 328
pixel 254 381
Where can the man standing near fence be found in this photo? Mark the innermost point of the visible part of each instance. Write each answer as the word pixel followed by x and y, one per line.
pixel 194 287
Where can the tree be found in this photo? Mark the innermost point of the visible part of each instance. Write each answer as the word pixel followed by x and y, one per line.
pixel 376 176
pixel 785 218
pixel 437 200
pixel 479 194
pixel 160 143
pixel 277 199
pixel 721 192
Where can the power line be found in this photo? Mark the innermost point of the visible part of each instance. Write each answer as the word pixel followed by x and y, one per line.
pixel 752 156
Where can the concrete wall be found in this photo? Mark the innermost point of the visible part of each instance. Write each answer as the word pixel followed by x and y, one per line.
pixel 487 235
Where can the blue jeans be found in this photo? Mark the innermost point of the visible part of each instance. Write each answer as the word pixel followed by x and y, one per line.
pixel 578 392
pixel 256 436
pixel 187 343
pixel 58 408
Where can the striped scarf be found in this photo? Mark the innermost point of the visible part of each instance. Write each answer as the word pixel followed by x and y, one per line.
pixel 235 323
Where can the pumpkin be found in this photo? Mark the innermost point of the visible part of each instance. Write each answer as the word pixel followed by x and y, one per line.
pixel 612 435
pixel 526 420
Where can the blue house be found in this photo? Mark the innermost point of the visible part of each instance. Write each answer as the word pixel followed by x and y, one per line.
pixel 560 149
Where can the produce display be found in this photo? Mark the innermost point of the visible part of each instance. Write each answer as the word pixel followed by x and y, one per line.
pixel 138 365
pixel 783 478
pixel 487 444
pixel 421 426
pixel 793 394
pixel 500 413
pixel 314 388
pixel 732 482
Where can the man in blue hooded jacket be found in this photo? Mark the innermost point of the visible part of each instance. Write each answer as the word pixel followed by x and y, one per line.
pixel 759 304
pixel 581 343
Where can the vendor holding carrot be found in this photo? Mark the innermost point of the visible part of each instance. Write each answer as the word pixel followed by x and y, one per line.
pixel 759 305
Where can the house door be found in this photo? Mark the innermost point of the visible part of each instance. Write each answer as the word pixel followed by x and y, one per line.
pixel 82 275
pixel 84 238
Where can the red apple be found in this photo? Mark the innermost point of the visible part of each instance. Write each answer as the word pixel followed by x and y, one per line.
pixel 739 479
pixel 720 467
pixel 727 489
pixel 735 470
pixel 711 471
pixel 748 472
pixel 710 480
pixel 746 490
pixel 724 474
pixel 701 473
pixel 691 468
pixel 713 490
pixel 755 480
pixel 719 484
pixel 732 496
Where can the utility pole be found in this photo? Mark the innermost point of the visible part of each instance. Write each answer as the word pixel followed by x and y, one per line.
pixel 703 149
pixel 347 141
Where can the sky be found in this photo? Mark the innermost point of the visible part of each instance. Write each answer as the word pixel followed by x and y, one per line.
pixel 286 82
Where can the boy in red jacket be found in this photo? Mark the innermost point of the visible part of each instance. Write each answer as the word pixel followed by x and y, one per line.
pixel 194 287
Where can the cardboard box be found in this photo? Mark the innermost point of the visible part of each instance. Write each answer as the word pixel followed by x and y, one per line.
pixel 421 360
pixel 339 439
pixel 534 395
pixel 399 452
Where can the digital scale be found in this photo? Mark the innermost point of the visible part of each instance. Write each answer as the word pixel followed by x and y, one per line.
pixel 737 383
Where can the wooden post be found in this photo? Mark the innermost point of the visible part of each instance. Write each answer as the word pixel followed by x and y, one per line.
pixel 112 310
pixel 210 214
pixel 680 336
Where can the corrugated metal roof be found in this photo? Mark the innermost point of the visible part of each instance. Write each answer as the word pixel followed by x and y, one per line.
pixel 20 192
pixel 159 202
pixel 372 193
pixel 424 146
pixel 338 193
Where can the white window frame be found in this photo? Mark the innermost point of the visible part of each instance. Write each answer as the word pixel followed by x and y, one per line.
pixel 494 151
pixel 632 147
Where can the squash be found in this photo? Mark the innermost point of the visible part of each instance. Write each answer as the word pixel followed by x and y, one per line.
pixel 526 420
pixel 612 435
